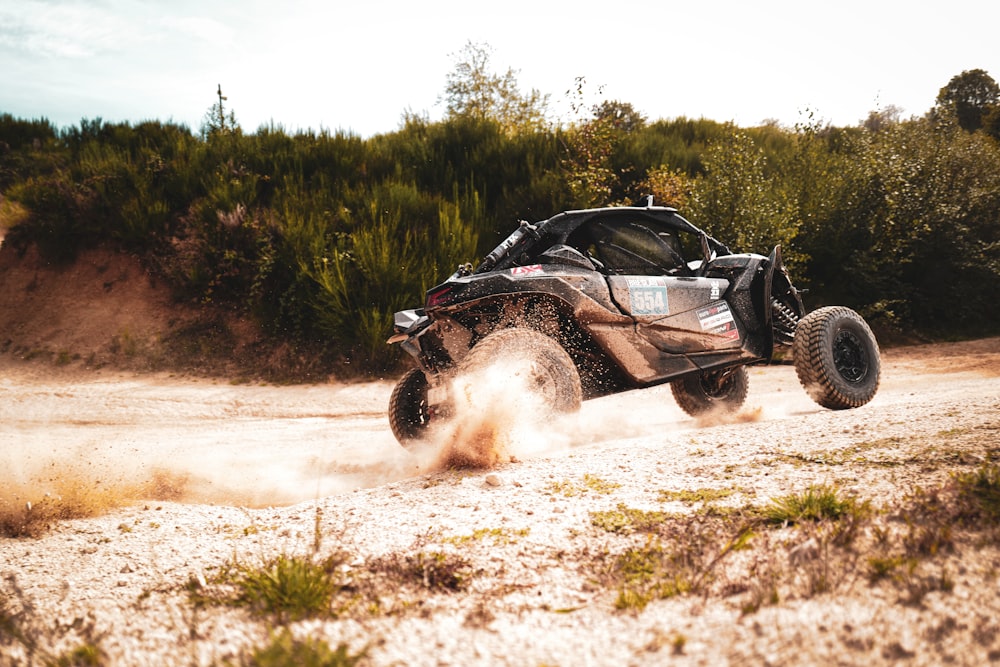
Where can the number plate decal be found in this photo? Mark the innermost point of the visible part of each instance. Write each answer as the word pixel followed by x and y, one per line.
pixel 648 296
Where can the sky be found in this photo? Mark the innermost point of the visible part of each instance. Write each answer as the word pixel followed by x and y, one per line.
pixel 360 66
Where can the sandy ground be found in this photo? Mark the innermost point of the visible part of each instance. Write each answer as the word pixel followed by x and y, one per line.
pixel 248 472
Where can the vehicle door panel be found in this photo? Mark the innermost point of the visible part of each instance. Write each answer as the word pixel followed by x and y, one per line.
pixel 678 314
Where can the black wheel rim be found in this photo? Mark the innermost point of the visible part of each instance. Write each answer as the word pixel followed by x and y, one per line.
pixel 717 385
pixel 850 357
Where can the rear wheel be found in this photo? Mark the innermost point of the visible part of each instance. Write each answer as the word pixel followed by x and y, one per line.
pixel 837 358
pixel 544 366
pixel 409 414
pixel 715 390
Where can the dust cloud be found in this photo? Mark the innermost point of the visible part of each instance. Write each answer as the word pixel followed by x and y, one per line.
pixel 499 418
pixel 82 445
pixel 157 438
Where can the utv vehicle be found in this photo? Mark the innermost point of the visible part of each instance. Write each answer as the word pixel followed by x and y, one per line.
pixel 606 300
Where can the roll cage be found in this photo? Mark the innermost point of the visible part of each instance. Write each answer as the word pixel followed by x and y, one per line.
pixel 618 240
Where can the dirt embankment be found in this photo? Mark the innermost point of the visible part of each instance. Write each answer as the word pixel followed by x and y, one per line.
pixel 107 310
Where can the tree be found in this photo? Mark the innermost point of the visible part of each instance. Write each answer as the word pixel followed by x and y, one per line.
pixel 216 120
pixel 589 144
pixel 621 115
pixel 474 91
pixel 991 122
pixel 668 187
pixel 737 203
pixel 882 118
pixel 970 95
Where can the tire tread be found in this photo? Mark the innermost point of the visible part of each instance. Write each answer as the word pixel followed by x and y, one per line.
pixel 400 407
pixel 812 342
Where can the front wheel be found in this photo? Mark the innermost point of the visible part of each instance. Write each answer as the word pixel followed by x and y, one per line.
pixel 837 358
pixel 409 412
pixel 715 390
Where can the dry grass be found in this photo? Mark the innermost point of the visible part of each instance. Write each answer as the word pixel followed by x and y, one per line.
pixel 37 639
pixel 27 512
pixel 818 541
pixel 289 588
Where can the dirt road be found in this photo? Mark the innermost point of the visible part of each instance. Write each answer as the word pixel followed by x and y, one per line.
pixel 253 471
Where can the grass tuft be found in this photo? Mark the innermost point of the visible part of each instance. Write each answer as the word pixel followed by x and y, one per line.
pixel 84 655
pixel 692 496
pixel 433 570
pixel 289 587
pixel 499 536
pixel 570 489
pixel 649 573
pixel 817 503
pixel 284 649
pixel 682 557
pixel 625 519
pixel 979 493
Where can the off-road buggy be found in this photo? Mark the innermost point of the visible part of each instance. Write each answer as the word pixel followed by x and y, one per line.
pixel 606 300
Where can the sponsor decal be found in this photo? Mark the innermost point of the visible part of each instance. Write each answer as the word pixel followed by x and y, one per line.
pixel 646 281
pixel 714 290
pixel 648 296
pixel 438 297
pixel 717 319
pixel 526 270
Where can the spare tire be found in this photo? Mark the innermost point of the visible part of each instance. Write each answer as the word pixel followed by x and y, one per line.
pixel 837 358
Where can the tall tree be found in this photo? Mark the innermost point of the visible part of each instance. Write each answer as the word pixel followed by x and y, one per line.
pixel 474 90
pixel 216 120
pixel 971 95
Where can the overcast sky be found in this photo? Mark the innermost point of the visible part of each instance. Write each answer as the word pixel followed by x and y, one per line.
pixel 359 66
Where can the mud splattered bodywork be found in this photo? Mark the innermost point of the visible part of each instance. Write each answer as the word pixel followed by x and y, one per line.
pixel 637 296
